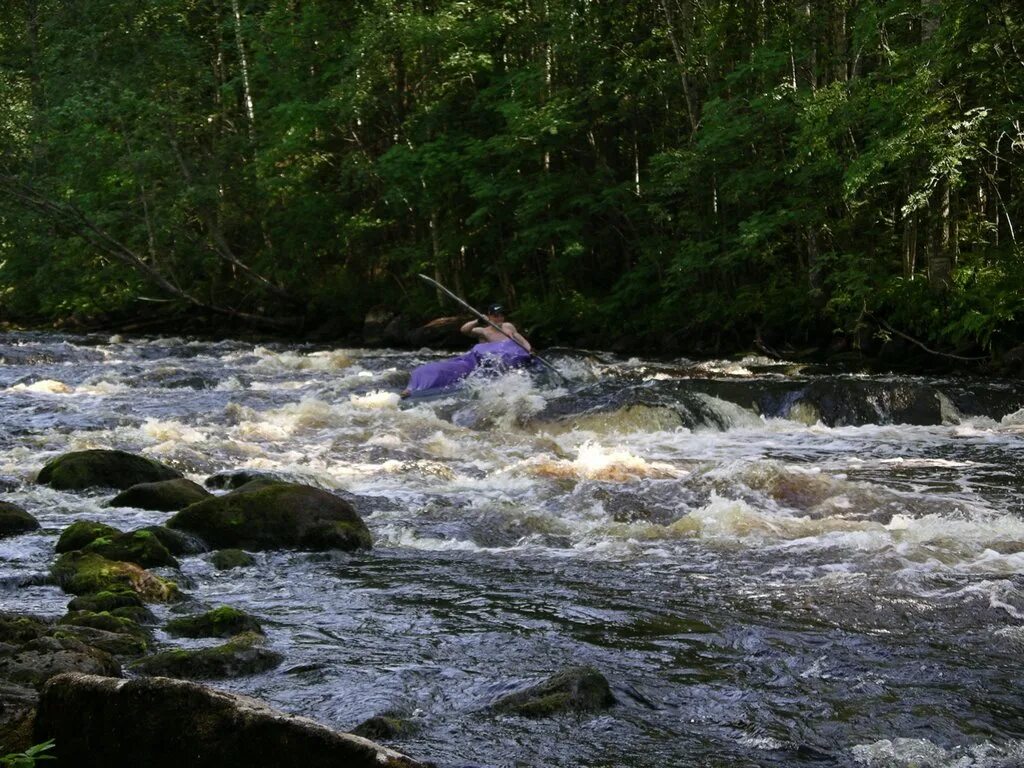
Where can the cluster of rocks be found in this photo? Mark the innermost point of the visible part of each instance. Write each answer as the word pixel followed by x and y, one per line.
pixel 49 669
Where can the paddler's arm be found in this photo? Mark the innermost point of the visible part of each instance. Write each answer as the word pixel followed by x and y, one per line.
pixel 516 336
pixel 471 329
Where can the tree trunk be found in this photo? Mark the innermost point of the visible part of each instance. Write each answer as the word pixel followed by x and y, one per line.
pixel 940 262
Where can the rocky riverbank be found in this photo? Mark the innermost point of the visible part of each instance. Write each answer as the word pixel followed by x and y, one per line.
pixel 51 671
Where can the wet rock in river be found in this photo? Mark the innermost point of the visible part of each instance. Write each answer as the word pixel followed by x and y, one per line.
pixel 226 559
pixel 220 622
pixel 276 516
pixel 83 573
pixel 140 547
pixel 17 715
pixel 38 660
pixel 386 725
pixel 127 605
pixel 577 689
pixel 171 723
pixel 14 520
pixel 243 654
pixel 118 637
pixel 232 480
pixel 162 496
pixel 177 542
pixel 81 534
pixel 101 468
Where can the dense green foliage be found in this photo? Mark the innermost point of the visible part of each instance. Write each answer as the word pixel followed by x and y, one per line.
pixel 696 172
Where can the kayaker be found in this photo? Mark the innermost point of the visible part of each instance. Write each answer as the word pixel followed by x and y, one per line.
pixel 496 314
pixel 495 351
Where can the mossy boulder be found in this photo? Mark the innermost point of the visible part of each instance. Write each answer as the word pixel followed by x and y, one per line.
pixel 244 654
pixel 385 726
pixel 18 630
pixel 14 520
pixel 38 660
pixel 17 714
pixel 83 573
pixel 577 689
pixel 226 559
pixel 116 636
pixel 276 516
pixel 162 496
pixel 126 605
pixel 220 622
pixel 232 480
pixel 140 547
pixel 82 533
pixel 177 542
pixel 101 468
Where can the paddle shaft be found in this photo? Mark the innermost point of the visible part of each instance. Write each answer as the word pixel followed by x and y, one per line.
pixel 484 318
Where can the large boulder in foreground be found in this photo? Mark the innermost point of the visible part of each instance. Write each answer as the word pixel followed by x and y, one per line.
pixel 577 689
pixel 108 723
pixel 101 468
pixel 267 515
pixel 163 496
pixel 14 520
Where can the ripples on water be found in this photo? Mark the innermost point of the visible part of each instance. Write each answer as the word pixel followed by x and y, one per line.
pixel 772 566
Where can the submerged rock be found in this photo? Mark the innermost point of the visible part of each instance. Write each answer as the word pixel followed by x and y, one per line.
pixel 81 534
pixel 244 654
pixel 220 622
pixel 162 496
pixel 14 520
pixel 226 559
pixel 161 723
pixel 276 516
pixel 82 573
pixel 101 468
pixel 577 689
pixel 386 725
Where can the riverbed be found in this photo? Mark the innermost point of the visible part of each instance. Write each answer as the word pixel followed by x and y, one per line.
pixel 772 564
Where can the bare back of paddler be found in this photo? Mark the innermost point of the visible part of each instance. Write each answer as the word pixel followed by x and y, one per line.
pixel 496 314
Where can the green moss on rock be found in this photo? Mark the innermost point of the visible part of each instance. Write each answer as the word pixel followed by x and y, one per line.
pixel 577 689
pixel 140 547
pixel 177 542
pixel 14 520
pixel 220 622
pixel 82 533
pixel 83 573
pixel 103 468
pixel 276 516
pixel 385 726
pixel 226 559
pixel 244 654
pixel 136 639
pixel 162 496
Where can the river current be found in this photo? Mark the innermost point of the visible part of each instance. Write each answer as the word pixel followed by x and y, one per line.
pixel 773 565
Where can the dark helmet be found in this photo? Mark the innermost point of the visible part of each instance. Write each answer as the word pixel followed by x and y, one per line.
pixel 496 309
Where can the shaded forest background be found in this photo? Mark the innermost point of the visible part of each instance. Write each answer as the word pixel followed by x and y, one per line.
pixel 694 175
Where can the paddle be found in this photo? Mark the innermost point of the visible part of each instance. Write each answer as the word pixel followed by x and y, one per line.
pixel 483 317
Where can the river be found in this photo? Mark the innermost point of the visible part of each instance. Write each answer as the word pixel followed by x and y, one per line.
pixel 772 564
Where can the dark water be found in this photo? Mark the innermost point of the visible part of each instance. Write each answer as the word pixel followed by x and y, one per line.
pixel 773 566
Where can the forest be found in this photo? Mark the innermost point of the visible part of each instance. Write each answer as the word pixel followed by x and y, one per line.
pixel 675 175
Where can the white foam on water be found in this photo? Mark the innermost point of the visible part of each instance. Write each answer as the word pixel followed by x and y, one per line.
pixel 45 386
pixel 332 360
pixel 595 462
pixel 173 432
pixel 376 400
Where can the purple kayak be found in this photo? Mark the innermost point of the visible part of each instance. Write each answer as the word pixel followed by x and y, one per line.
pixel 497 356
